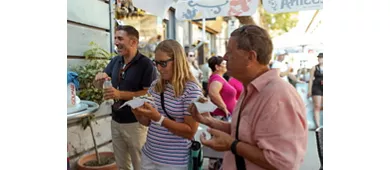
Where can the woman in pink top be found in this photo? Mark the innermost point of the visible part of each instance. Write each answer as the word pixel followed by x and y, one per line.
pixel 221 92
pixel 237 85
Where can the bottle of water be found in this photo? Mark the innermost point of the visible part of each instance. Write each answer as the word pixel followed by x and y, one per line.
pixel 107 84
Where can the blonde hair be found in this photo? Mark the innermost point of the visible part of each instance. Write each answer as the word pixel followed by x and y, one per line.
pixel 181 69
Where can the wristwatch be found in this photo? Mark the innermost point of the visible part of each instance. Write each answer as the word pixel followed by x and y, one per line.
pixel 233 147
pixel 160 121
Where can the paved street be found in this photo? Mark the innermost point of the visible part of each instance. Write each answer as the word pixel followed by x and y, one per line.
pixel 311 161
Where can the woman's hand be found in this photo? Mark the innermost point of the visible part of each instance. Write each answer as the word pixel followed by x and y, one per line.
pixel 308 94
pixel 227 113
pixel 148 111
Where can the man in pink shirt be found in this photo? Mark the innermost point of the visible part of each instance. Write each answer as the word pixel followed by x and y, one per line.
pixel 272 131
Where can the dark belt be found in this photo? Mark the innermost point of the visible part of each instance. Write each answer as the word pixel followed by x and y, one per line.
pixel 123 115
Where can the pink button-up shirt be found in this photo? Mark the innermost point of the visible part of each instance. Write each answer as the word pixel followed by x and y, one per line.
pixel 273 119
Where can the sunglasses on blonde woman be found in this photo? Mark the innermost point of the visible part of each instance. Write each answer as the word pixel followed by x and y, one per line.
pixel 162 63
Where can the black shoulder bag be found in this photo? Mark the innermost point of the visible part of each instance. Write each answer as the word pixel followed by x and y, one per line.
pixel 196 152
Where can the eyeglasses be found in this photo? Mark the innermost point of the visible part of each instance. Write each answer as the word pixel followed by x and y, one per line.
pixel 162 63
pixel 191 55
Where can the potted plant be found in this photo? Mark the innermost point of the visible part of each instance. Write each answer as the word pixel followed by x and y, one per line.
pixel 98 59
pixel 97 160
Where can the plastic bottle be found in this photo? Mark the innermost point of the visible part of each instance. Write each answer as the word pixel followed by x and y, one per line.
pixel 107 84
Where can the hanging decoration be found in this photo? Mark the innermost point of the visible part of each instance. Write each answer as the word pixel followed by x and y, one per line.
pixel 126 9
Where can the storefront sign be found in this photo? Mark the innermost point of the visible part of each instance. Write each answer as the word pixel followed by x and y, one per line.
pixel 197 9
pixel 281 6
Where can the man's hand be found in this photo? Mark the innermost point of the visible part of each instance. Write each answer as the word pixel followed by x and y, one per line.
pixel 220 141
pixel 148 111
pixel 111 93
pixel 99 79
pixel 100 76
pixel 204 118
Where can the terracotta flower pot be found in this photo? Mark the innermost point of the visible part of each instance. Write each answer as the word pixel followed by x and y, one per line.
pixel 92 156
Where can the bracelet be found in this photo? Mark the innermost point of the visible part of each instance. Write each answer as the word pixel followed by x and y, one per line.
pixel 233 147
pixel 159 122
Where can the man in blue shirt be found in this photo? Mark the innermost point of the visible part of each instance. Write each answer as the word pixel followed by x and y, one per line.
pixel 131 74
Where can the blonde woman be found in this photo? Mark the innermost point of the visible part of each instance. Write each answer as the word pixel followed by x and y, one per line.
pixel 168 141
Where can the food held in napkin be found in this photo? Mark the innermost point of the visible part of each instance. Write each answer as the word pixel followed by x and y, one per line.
pixel 203 105
pixel 139 101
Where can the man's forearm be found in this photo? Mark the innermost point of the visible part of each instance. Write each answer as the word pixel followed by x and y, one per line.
pixel 253 154
pixel 220 125
pixel 126 95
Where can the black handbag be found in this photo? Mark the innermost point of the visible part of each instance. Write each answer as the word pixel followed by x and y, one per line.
pixel 196 152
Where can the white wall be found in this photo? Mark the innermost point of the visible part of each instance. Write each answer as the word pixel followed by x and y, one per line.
pixel 87 20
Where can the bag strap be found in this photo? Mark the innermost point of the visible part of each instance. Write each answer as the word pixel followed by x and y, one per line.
pixel 240 162
pixel 197 161
pixel 123 71
pixel 163 106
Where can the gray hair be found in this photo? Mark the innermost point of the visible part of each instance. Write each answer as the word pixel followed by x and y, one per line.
pixel 252 37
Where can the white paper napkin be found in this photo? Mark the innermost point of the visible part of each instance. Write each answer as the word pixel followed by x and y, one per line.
pixel 137 102
pixel 202 129
pixel 205 107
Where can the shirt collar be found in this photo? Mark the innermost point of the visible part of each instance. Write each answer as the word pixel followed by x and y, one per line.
pixel 260 82
pixel 137 57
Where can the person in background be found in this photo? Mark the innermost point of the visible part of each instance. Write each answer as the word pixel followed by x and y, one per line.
pixel 285 70
pixel 226 77
pixel 171 127
pixel 304 75
pixel 206 75
pixel 195 70
pixel 316 88
pixel 221 92
pixel 131 74
pixel 281 67
pixel 237 85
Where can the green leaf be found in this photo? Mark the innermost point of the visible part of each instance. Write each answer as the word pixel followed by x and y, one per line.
pixel 88 72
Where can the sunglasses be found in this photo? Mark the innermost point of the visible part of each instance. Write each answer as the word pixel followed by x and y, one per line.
pixel 122 73
pixel 162 63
